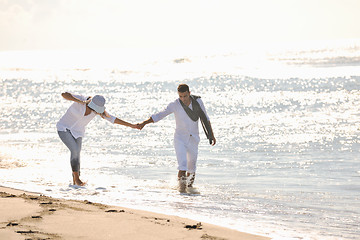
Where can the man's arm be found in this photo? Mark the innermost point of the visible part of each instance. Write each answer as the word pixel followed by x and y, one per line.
pixel 213 135
pixel 157 117
pixel 142 125
pixel 202 106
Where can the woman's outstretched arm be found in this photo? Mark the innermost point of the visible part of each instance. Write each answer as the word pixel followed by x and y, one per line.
pixel 70 97
pixel 124 123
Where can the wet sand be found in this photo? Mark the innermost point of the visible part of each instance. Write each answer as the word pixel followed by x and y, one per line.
pixel 33 216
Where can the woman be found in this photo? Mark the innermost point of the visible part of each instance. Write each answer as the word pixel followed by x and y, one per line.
pixel 71 127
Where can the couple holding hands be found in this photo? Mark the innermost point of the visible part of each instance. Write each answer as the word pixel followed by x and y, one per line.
pixel 188 110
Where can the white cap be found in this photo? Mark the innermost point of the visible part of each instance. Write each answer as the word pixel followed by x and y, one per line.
pixel 97 104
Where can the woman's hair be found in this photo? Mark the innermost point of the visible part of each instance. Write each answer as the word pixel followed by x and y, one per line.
pixel 183 88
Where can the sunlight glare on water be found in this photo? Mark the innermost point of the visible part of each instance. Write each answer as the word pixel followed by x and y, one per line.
pixel 286 123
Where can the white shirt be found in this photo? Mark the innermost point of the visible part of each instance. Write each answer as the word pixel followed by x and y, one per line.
pixel 185 127
pixel 74 118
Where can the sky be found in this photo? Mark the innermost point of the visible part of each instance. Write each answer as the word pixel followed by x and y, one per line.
pixel 104 24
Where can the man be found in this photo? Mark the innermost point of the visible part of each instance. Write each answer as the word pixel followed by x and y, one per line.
pixel 188 109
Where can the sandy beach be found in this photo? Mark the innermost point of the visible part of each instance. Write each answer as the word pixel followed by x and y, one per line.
pixel 26 215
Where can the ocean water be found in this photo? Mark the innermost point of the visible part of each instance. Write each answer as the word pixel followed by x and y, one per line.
pixel 286 119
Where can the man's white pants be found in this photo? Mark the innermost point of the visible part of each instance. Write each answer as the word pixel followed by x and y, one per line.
pixel 186 154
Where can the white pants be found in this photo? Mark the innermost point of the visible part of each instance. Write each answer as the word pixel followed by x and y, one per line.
pixel 186 154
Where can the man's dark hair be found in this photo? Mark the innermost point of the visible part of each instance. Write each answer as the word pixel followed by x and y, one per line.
pixel 183 88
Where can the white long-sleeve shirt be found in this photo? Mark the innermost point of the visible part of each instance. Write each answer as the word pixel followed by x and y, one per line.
pixel 185 127
pixel 74 118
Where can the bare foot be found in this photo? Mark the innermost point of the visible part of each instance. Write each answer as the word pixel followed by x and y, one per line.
pixel 182 185
pixel 76 179
pixel 80 183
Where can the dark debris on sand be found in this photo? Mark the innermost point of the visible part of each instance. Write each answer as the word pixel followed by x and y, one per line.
pixel 196 226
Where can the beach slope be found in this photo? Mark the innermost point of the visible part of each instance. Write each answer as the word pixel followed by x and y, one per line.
pixel 26 215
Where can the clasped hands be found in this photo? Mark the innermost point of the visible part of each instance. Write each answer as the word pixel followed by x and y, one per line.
pixel 139 125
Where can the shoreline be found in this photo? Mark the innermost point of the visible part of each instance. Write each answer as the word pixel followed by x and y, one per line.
pixel 26 215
